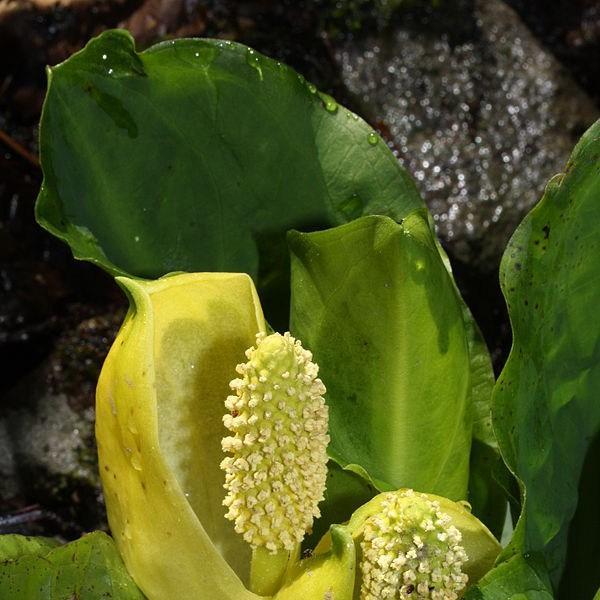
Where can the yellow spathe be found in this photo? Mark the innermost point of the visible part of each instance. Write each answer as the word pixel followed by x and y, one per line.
pixel 159 429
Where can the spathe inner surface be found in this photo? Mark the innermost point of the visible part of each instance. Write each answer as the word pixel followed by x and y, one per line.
pixel 200 336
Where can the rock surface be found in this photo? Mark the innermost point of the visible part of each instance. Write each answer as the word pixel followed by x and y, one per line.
pixel 479 113
pixel 47 443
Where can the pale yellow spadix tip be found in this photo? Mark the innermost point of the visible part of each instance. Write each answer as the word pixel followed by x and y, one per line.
pixel 276 472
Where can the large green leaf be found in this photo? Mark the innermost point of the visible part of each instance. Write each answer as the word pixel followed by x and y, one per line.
pixel 375 303
pixel 88 569
pixel 545 409
pixel 198 155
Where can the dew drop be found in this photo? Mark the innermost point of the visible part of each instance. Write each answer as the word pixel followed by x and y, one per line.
pixel 312 88
pixel 110 71
pixel 373 138
pixel 104 57
pixel 253 60
pixel 137 238
pixel 328 102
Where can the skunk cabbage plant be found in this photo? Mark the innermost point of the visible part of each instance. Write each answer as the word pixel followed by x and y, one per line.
pixel 164 418
pixel 365 452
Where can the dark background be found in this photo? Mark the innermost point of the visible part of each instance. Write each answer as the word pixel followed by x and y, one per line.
pixel 481 101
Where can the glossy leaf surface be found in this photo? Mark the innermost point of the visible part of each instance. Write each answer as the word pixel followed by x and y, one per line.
pixel 87 569
pixel 198 155
pixel 160 403
pixel 373 300
pixel 546 411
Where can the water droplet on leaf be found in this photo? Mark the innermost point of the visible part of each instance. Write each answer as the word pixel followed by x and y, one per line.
pixel 253 60
pixel 328 102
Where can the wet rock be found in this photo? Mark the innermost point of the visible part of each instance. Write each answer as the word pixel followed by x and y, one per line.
pixel 570 29
pixel 47 433
pixel 479 113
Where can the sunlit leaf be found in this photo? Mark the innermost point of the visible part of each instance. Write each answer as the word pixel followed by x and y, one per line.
pixel 374 302
pixel 198 155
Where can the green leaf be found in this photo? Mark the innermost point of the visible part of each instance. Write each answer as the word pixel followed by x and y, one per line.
pixel 519 578
pixel 487 496
pixel 545 407
pixel 15 546
pixel 198 155
pixel 487 493
pixel 87 569
pixel 482 383
pixel 488 474
pixel 373 300
pixel 582 569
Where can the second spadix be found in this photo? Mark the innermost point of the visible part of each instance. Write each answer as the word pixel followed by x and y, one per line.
pixel 413 546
